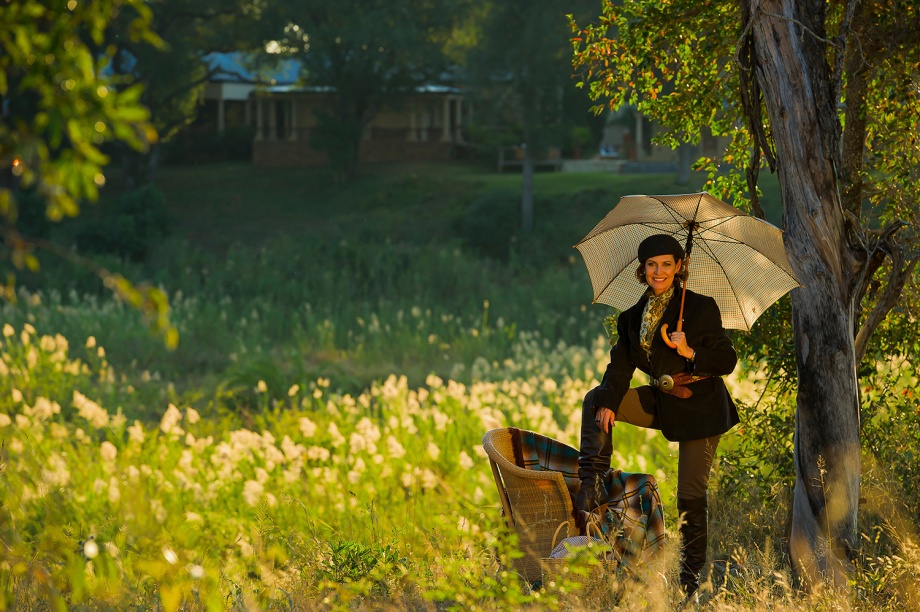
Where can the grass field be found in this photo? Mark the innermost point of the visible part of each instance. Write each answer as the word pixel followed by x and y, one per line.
pixel 313 442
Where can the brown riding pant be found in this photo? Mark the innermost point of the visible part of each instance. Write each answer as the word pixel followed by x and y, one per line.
pixel 694 459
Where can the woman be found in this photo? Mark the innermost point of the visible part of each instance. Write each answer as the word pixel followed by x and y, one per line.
pixel 694 413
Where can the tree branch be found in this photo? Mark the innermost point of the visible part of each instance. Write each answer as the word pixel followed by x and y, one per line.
pixel 898 276
pixel 877 249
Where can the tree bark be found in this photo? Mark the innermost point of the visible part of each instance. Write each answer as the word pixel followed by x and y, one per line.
pixel 795 79
pixel 527 171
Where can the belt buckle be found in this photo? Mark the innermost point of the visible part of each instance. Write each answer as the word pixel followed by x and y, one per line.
pixel 665 382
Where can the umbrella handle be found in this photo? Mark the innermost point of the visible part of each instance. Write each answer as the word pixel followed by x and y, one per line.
pixel 680 320
pixel 664 336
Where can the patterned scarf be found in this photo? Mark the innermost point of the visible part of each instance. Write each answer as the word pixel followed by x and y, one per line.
pixel 654 308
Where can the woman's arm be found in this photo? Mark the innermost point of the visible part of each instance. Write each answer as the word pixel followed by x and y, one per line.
pixel 619 373
pixel 715 355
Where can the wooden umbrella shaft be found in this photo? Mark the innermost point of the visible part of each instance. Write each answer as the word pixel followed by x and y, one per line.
pixel 680 316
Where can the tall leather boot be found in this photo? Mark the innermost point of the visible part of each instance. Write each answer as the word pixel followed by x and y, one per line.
pixel 694 536
pixel 593 459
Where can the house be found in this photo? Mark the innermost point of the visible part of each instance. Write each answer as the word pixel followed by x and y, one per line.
pixel 427 125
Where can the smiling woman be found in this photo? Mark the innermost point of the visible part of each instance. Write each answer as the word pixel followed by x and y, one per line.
pixel 692 408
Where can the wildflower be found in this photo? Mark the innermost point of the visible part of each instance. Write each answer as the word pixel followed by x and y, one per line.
pixel 318 453
pixel 440 419
pixel 24 338
pixel 108 451
pixel 58 431
pixel 114 491
pixel 293 390
pixel 55 473
pixel 193 517
pixel 168 424
pixel 136 432
pixel 170 555
pixel 261 387
pixel 466 462
pixel 192 416
pixel 394 448
pixel 90 549
pixel 90 410
pixel 429 479
pixel 337 438
pixel 307 427
pixel 252 492
pixel 433 451
pixel 22 421
pixel 5 420
pixel 8 330
pixel 47 344
pixel 91 342
pixel 100 351
pixel 196 572
pixel 17 395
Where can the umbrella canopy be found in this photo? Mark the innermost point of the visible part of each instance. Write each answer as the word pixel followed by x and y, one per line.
pixel 736 259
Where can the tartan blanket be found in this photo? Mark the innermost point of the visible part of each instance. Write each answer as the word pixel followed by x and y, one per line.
pixel 634 515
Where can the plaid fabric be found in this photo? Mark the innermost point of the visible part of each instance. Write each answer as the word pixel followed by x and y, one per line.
pixel 634 512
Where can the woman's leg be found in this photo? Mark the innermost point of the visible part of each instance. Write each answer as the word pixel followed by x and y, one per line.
pixel 596 446
pixel 693 467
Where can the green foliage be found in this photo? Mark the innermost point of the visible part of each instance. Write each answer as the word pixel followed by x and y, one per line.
pixel 349 561
pixel 491 223
pixel 128 226
pixel 58 113
pixel 371 54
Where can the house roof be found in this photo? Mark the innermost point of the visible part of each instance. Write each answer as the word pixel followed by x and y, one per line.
pixel 232 68
pixel 428 88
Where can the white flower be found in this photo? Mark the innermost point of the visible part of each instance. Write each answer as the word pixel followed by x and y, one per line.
pixel 261 387
pixel 395 449
pixel 252 492
pixel 17 395
pixel 114 491
pixel 168 424
pixel 5 420
pixel 8 330
pixel 293 390
pixel 90 410
pixel 337 438
pixel 90 549
pixel 307 427
pixel 191 415
pixel 433 451
pixel 170 555
pixel 196 572
pixel 108 451
pixel 136 432
pixel 466 462
pixel 91 342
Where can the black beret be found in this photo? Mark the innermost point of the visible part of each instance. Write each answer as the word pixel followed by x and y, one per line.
pixel 660 244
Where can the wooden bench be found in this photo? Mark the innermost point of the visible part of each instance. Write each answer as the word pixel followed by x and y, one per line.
pixel 513 157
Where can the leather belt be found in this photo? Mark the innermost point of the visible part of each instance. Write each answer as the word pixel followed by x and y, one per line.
pixel 676 384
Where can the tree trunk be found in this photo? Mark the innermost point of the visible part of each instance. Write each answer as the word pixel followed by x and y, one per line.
pixel 795 79
pixel 527 171
pixel 685 154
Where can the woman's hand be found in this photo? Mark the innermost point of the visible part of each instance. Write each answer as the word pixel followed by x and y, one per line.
pixel 680 339
pixel 605 419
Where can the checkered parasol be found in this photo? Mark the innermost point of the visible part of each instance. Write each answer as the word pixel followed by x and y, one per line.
pixel 736 259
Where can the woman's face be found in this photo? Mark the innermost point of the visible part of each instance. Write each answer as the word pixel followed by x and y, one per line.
pixel 660 271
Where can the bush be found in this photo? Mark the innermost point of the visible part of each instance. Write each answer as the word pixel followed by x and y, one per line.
pixel 128 226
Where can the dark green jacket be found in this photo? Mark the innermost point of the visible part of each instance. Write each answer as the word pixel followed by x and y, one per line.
pixel 710 410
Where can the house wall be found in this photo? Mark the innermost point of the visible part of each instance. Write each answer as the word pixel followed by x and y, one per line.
pixel 412 132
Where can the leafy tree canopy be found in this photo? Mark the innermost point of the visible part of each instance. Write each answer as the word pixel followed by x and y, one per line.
pixel 59 107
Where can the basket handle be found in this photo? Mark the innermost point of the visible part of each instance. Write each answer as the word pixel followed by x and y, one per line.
pixel 558 529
